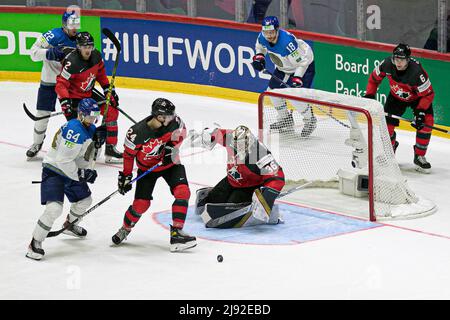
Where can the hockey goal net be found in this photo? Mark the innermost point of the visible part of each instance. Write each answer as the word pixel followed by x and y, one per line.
pixel 341 143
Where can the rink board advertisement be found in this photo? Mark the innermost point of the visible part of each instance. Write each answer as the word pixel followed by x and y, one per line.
pixel 185 53
pixel 344 69
pixel 19 31
pixel 180 53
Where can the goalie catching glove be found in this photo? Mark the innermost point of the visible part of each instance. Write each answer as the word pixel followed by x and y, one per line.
pixel 203 139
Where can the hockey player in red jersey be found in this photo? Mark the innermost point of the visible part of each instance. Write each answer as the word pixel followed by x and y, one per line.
pixel 410 86
pixel 152 140
pixel 254 180
pixel 82 67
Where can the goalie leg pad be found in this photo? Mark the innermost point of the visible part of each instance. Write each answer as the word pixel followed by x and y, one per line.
pixel 201 195
pixel 263 202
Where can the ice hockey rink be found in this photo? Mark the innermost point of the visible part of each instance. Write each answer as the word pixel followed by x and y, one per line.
pixel 314 255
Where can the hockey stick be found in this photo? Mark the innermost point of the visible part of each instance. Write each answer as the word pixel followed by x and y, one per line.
pixel 34 118
pixel 288 86
pixel 55 233
pixel 116 43
pixel 117 107
pixel 393 116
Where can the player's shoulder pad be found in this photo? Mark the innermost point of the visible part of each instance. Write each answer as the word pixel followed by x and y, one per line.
pixel 74 132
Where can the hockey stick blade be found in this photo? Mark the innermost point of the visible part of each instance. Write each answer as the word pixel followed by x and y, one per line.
pixel 113 38
pixel 34 118
pixel 55 233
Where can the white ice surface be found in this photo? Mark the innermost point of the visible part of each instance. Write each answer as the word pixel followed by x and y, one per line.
pixel 400 260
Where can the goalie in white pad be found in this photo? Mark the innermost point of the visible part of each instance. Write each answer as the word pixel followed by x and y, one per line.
pixel 247 194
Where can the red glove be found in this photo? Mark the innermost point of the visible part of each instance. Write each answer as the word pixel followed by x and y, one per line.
pixel 296 82
pixel 113 98
pixel 66 107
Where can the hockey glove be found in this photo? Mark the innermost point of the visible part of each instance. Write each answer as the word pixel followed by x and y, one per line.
pixel 67 108
pixel 54 54
pixel 259 62
pixel 87 175
pixel 99 137
pixel 170 155
pixel 114 98
pixel 296 82
pixel 419 120
pixel 123 183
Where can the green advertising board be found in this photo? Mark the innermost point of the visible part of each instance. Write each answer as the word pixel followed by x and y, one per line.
pixel 346 70
pixel 19 32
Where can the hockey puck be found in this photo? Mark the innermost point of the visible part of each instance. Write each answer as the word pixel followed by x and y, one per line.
pixel 219 258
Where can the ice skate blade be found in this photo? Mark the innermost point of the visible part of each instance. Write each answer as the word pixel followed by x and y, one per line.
pixel 113 160
pixel 422 170
pixel 33 255
pixel 178 247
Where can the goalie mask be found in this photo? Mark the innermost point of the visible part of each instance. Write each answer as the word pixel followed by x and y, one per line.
pixel 241 141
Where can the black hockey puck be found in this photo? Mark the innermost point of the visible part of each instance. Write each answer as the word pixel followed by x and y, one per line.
pixel 219 258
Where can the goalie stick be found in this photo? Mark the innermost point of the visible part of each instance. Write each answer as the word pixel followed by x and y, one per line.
pixel 393 116
pixel 55 233
pixel 288 86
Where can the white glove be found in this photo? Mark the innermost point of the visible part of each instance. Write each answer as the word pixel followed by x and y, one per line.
pixel 202 139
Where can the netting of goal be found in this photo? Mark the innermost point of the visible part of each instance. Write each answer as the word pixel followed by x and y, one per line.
pixel 340 143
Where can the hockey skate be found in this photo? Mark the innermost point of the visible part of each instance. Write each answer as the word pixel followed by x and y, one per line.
pixel 422 165
pixel 284 125
pixel 34 150
pixel 180 241
pixel 74 230
pixel 309 126
pixel 120 235
pixel 35 250
pixel 112 155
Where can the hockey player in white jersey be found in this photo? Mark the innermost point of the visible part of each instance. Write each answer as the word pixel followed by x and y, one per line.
pixel 65 172
pixel 48 48
pixel 294 65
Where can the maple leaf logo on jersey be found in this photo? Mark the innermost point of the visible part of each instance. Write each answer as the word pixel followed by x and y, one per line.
pixel 400 93
pixel 89 83
pixel 235 174
pixel 152 148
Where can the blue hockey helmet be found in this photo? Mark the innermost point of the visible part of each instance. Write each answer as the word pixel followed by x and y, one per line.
pixel 71 19
pixel 270 23
pixel 88 110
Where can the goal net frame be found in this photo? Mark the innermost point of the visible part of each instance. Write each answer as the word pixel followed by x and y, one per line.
pixel 345 108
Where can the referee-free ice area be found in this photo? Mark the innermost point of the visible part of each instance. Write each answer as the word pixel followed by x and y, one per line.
pixel 313 255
